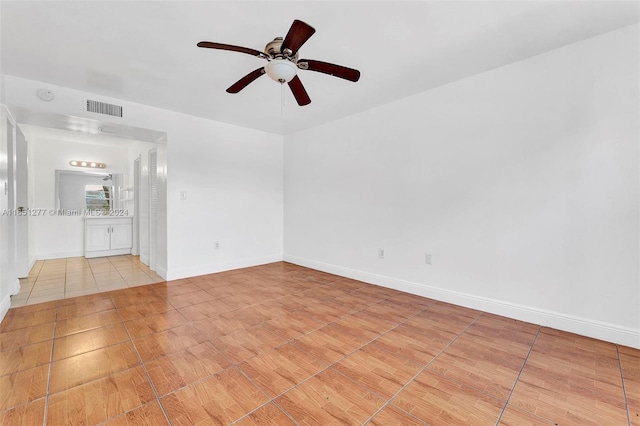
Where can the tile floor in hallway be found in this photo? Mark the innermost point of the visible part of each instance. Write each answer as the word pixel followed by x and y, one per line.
pixel 280 344
pixel 77 276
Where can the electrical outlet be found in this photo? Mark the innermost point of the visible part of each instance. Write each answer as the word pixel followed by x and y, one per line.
pixel 216 245
pixel 381 253
pixel 427 259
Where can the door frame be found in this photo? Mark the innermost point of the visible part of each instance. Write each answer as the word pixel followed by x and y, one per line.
pixel 137 165
pixel 22 258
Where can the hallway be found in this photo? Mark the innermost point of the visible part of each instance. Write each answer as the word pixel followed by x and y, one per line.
pixel 56 279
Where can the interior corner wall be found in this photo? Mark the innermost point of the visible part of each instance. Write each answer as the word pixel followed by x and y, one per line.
pixel 522 183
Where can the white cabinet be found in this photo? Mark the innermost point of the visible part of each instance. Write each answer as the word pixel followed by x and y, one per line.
pixel 121 235
pixel 97 237
pixel 107 236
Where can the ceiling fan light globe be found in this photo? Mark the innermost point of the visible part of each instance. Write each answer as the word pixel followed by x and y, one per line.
pixel 281 70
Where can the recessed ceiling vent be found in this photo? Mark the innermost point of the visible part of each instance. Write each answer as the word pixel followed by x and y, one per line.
pixel 104 108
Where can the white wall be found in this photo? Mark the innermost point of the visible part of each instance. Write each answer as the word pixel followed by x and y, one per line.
pixel 141 149
pixel 234 184
pixel 232 175
pixel 9 283
pixel 521 182
pixel 59 236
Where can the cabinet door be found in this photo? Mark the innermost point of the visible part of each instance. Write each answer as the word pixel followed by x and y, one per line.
pixel 97 238
pixel 121 236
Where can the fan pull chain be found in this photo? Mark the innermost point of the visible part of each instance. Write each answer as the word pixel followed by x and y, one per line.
pixel 282 100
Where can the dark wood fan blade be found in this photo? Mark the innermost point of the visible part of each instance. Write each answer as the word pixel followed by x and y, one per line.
pixel 245 81
pixel 220 46
pixel 331 69
pixel 298 35
pixel 299 92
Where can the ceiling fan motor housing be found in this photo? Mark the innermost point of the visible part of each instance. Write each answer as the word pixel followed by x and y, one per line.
pixel 282 67
pixel 274 50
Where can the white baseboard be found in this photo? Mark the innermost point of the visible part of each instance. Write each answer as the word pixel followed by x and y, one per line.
pixel 16 288
pixel 5 304
pixel 161 271
pixel 103 253
pixel 583 326
pixel 144 258
pixel 59 255
pixel 194 271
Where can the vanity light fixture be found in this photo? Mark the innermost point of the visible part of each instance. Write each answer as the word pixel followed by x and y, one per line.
pixel 89 164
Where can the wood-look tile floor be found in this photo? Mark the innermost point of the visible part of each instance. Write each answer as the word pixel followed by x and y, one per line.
pixel 280 344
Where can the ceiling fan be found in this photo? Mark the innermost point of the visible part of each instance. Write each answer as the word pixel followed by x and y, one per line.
pixel 283 62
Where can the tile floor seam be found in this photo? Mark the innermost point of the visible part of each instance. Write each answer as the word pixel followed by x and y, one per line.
pixel 283 344
pixel 390 330
pixel 31 291
pixel 383 349
pixel 492 396
pixel 53 345
pixel 269 399
pixel 145 272
pixel 92 350
pixel 364 387
pixel 515 382
pixel 335 362
pixel 421 370
pixel 24 404
pixel 202 379
pixel 64 294
pixel 273 400
pixel 624 390
pixel 124 413
pixel 147 375
pixel 97 379
pixel 236 366
pixel 417 419
pixel 325 325
pixel 33 285
pixel 110 266
pixel 118 271
pixel 94 379
pixel 286 413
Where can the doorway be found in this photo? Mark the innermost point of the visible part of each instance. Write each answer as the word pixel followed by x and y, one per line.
pixel 52 149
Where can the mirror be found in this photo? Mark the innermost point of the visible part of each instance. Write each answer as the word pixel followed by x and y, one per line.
pixel 87 191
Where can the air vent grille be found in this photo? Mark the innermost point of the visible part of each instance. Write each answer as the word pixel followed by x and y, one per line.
pixel 104 108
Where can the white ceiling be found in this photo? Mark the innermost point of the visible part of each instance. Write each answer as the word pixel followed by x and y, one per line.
pixel 39 132
pixel 146 51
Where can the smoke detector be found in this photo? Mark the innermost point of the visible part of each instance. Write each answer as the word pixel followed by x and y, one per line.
pixel 44 94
